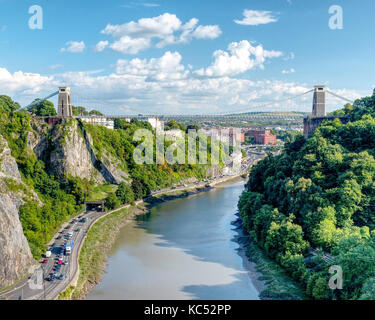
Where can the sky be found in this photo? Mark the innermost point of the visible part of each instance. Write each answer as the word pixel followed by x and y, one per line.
pixel 187 57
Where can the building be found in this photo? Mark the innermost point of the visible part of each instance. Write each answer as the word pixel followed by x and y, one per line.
pixel 156 124
pixel 231 136
pixel 99 121
pixel 263 137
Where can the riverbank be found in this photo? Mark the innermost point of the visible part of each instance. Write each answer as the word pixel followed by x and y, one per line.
pixel 268 277
pixel 102 235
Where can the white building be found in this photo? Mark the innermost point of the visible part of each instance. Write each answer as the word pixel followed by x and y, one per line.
pixel 156 124
pixel 99 121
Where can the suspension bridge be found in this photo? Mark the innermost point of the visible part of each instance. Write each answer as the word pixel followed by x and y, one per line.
pixel 64 107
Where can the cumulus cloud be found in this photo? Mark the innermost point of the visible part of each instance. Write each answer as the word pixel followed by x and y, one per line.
pixel 240 57
pixel 168 67
pixel 255 17
pixel 129 45
pixel 133 37
pixel 23 83
pixel 135 88
pixel 101 45
pixel 291 70
pixel 74 47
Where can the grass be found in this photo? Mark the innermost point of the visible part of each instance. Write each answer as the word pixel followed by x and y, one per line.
pixel 98 243
pixel 101 192
pixel 65 295
pixel 279 285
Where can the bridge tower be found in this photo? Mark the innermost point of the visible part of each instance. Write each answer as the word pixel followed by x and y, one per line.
pixel 319 102
pixel 64 103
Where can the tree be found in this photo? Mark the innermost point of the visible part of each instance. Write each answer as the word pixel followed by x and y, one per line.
pixel 368 290
pixel 138 189
pixel 43 109
pixel 95 113
pixel 112 202
pixel 125 193
pixel 285 237
pixel 7 104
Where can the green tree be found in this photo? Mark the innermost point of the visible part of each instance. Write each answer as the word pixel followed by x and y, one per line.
pixel 125 193
pixel 43 109
pixel 112 202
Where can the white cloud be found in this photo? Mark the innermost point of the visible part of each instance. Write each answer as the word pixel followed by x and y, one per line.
pixel 291 70
pixel 242 56
pixel 151 5
pixel 74 47
pixel 289 56
pixel 254 18
pixel 168 67
pixel 23 83
pixel 101 45
pixel 207 32
pixel 55 66
pixel 135 88
pixel 129 45
pixel 145 4
pixel 133 37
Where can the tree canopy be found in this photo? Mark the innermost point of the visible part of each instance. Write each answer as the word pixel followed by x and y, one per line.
pixel 320 193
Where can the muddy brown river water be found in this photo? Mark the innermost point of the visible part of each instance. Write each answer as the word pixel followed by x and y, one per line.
pixel 182 249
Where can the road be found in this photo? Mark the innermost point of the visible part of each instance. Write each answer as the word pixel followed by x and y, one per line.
pixel 36 286
pixel 49 290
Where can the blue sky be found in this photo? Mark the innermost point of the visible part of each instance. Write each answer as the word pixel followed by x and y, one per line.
pixel 171 56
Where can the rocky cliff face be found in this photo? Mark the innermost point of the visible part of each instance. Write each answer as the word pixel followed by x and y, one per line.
pixel 68 150
pixel 70 155
pixel 15 254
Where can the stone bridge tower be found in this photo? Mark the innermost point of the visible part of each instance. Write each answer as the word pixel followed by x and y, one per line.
pixel 64 103
pixel 319 102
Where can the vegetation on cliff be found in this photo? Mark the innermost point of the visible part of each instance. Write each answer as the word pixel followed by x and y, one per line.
pixel 312 207
pixel 63 197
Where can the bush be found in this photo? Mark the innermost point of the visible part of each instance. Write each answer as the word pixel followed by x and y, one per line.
pixel 125 193
pixel 112 202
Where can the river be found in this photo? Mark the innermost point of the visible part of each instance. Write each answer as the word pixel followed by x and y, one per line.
pixel 182 249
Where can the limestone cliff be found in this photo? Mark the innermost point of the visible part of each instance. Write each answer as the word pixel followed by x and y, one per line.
pixel 68 150
pixel 70 155
pixel 15 254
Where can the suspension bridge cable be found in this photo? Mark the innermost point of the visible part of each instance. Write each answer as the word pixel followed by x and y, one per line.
pixel 269 103
pixel 340 97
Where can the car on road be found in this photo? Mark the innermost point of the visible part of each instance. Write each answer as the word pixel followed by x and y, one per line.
pixel 66 262
pixel 61 277
pixel 45 261
pixel 51 278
